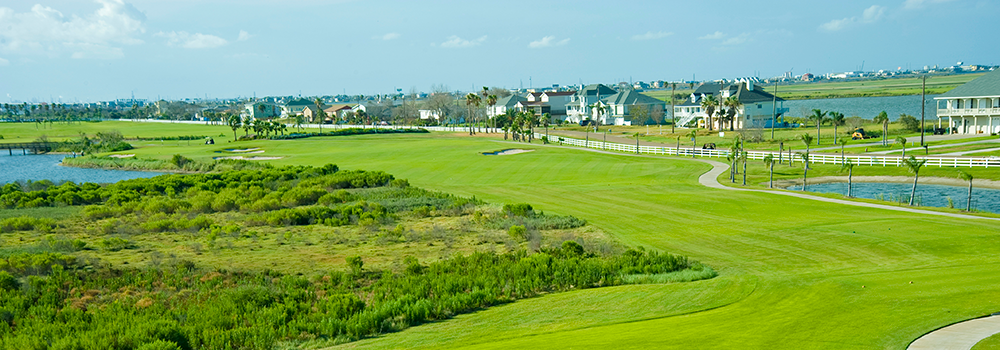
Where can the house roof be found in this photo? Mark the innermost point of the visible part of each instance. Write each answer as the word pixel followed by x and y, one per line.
pixel 337 107
pixel 559 93
pixel 596 89
pixel 630 97
pixel 510 101
pixel 753 96
pixel 987 85
pixel 301 102
pixel 708 89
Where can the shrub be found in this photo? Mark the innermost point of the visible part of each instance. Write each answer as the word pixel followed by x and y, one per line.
pixel 520 209
pixel 909 122
pixel 8 281
pixel 27 223
pixel 572 249
pixel 114 244
pixel 518 232
pixel 355 263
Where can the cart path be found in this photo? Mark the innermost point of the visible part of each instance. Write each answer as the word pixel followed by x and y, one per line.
pixel 962 335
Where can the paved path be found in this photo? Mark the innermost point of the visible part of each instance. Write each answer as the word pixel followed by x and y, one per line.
pixel 941 146
pixel 973 151
pixel 911 139
pixel 962 335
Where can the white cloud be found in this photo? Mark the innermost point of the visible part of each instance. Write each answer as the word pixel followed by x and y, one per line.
pixel 244 36
pixel 919 4
pixel 869 15
pixel 4 62
pixel 652 36
pixel 388 36
pixel 547 42
pixel 713 36
pixel 872 14
pixel 736 40
pixel 192 41
pixel 45 30
pixel 455 42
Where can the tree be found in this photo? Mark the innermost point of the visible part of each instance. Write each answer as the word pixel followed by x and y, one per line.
pixel 599 109
pixel 694 142
pixel 743 158
pixel 247 125
pixel 471 100
pixel 709 104
pixel 732 105
pixel 843 142
pixel 491 101
pixel 545 118
pixel 234 121
pixel 299 120
pixel 837 119
pixel 640 114
pixel 355 263
pixel 914 165
pixel 883 118
pixel 850 173
pixel 902 142
pixel 807 140
pixel 769 162
pixel 819 116
pixel 909 122
pixel 967 177
pixel 320 114
pixel 805 168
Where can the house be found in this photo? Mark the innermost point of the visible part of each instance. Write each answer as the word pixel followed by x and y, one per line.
pixel 620 108
pixel 297 106
pixel 430 114
pixel 309 113
pixel 504 104
pixel 755 109
pixel 339 110
pixel 261 110
pixel 581 105
pixel 973 107
pixel 557 101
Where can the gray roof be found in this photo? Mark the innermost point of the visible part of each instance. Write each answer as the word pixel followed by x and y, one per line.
pixel 596 89
pixel 987 85
pixel 510 101
pixel 631 97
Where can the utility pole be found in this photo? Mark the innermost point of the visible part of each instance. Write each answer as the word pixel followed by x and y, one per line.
pixel 923 96
pixel 774 108
pixel 673 87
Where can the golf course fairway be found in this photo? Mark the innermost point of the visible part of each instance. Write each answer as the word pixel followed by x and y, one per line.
pixel 794 273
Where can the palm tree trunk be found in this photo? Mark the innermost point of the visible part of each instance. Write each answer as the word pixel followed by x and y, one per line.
pixel 770 180
pixel 913 192
pixel 968 203
pixel 744 172
pixel 805 171
pixel 850 185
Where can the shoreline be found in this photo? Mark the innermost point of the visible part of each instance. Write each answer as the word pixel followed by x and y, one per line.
pixel 929 180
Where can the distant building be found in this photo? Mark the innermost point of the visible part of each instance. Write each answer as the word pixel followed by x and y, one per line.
pixel 582 104
pixel 297 106
pixel 973 107
pixel 430 114
pixel 261 110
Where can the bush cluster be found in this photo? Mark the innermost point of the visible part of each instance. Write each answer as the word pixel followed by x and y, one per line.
pixel 349 131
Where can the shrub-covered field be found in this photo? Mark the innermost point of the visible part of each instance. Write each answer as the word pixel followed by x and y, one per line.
pixel 61 286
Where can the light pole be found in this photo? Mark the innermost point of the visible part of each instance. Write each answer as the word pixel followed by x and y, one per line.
pixel 923 94
pixel 774 108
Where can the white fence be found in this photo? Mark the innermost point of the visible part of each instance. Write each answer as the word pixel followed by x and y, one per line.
pixel 759 155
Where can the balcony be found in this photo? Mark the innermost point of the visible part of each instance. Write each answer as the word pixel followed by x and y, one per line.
pixel 945 112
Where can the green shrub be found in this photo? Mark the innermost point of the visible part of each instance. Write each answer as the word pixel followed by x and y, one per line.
pixel 520 209
pixel 114 244
pixel 518 232
pixel 26 223
pixel 8 281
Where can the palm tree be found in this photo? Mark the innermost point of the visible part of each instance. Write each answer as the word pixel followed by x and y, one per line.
pixel 733 105
pixel 636 142
pixel 805 168
pixel 807 140
pixel 471 100
pixel 819 116
pixel 673 118
pixel 850 173
pixel 836 118
pixel 914 165
pixel 234 121
pixel 743 158
pixel 902 142
pixel 884 119
pixel 319 113
pixel 599 109
pixel 491 101
pixel 544 121
pixel 709 104
pixel 769 162
pixel 843 142
pixel 299 119
pixel 694 141
pixel 678 145
pixel 967 177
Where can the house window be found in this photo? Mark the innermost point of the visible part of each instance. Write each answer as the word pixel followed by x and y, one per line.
pixel 973 103
pixel 758 106
pixel 958 104
pixel 943 104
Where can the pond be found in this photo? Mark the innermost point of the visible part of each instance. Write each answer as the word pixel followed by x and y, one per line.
pixel 927 195
pixel 38 167
pixel 867 107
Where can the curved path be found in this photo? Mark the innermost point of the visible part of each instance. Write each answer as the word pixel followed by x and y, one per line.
pixel 962 335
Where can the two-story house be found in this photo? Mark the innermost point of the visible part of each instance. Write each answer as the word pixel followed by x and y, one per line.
pixel 972 108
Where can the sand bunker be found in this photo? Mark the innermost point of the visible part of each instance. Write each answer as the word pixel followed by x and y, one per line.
pixel 507 152
pixel 122 155
pixel 246 150
pixel 248 158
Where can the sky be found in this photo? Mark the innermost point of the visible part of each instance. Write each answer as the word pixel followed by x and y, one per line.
pixel 80 50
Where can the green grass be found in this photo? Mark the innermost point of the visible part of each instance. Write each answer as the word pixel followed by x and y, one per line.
pixel 841 89
pixel 793 273
pixel 59 131
pixel 991 343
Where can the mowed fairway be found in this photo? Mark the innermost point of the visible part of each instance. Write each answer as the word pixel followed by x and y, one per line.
pixel 794 273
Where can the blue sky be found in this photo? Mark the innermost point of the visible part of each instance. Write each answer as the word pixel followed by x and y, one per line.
pixel 103 49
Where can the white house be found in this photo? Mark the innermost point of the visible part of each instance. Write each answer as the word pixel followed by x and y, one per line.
pixel 261 110
pixel 619 108
pixel 504 104
pixel 972 108
pixel 581 105
pixel 755 109
pixel 430 114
